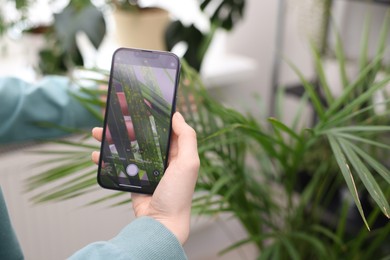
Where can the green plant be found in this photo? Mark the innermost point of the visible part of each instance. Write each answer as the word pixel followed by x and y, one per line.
pixel 348 144
pixel 222 14
pixel 251 168
pixel 128 5
pixel 61 52
pixel 282 222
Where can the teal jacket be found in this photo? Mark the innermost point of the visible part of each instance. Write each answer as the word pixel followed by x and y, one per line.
pixel 9 245
pixel 51 100
pixel 144 238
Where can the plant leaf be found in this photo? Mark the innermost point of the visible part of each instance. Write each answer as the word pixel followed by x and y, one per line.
pixel 321 74
pixel 279 125
pixel 328 233
pixel 313 240
pixel 298 115
pixel 347 174
pixel 310 89
pixel 341 58
pixel 346 94
pixel 363 140
pixel 364 43
pixel 368 128
pixel 292 251
pixel 363 97
pixel 366 177
pixel 377 166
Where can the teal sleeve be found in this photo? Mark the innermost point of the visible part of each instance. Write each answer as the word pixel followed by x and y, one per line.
pixel 23 105
pixel 144 238
pixel 9 245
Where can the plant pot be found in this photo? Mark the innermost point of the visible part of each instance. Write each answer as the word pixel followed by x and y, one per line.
pixel 20 57
pixel 141 29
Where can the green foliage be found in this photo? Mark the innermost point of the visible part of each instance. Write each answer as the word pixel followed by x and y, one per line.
pixel 222 14
pixel 61 52
pixel 253 168
pixel 127 5
pixel 261 196
pixel 349 134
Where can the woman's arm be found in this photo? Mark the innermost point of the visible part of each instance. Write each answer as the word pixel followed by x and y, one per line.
pixel 144 238
pixel 23 105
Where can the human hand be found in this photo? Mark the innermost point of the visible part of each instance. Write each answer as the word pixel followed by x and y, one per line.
pixel 170 203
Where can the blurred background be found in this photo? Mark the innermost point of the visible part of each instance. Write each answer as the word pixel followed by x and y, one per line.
pixel 239 49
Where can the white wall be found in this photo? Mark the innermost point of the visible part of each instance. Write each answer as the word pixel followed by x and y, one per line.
pixel 255 38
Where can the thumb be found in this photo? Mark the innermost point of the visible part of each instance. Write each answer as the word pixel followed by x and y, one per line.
pixel 186 137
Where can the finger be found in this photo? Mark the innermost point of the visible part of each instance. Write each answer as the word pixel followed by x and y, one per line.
pixel 95 157
pixel 186 137
pixel 97 133
pixel 173 149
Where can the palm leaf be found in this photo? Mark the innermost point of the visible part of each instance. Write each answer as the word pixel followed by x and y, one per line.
pixel 364 97
pixel 347 174
pixel 321 74
pixel 290 248
pixel 348 91
pixel 312 240
pixel 339 51
pixel 377 166
pixel 366 177
pixel 363 57
pixel 312 92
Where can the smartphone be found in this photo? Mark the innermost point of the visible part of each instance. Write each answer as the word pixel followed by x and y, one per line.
pixel 137 124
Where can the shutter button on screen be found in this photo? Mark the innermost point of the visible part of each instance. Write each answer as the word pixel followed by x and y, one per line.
pixel 132 170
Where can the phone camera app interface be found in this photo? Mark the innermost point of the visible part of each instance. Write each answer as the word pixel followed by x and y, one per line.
pixel 138 120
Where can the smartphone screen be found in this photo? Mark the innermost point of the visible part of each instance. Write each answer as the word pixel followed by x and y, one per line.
pixel 137 126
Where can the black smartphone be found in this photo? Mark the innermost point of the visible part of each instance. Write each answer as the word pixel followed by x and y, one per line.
pixel 137 124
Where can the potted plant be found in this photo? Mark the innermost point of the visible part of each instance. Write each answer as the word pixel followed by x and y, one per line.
pixel 60 52
pixel 222 15
pixel 139 26
pixel 148 27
